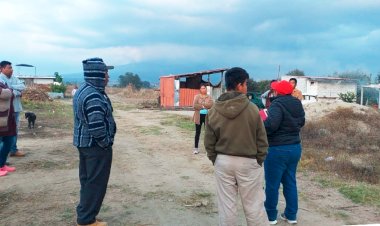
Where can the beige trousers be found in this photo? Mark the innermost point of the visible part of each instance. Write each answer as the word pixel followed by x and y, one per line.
pixel 244 176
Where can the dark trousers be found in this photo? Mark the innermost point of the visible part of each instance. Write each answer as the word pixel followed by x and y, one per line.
pixel 94 172
pixel 198 128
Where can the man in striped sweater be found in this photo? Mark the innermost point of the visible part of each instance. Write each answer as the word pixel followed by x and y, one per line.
pixel 94 132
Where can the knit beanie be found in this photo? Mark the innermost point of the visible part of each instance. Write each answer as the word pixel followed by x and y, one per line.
pixel 283 87
pixel 94 68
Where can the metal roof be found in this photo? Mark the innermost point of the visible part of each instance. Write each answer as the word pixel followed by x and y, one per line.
pixel 37 77
pixel 195 74
pixel 320 78
pixel 375 86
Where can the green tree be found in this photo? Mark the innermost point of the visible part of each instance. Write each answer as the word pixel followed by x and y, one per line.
pixel 361 78
pixel 133 79
pixel 252 86
pixel 259 87
pixel 358 75
pixel 130 78
pixel 378 78
pixel 145 84
pixel 58 77
pixel 296 72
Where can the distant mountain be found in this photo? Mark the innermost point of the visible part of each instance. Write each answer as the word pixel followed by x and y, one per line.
pixel 149 71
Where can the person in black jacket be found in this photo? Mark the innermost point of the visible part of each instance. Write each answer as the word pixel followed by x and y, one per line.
pixel 286 116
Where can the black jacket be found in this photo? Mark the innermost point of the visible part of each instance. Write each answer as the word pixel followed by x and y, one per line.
pixel 285 119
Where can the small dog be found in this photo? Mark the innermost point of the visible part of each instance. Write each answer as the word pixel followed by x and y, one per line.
pixel 31 119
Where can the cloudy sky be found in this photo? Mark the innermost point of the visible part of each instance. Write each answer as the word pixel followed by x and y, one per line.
pixel 319 37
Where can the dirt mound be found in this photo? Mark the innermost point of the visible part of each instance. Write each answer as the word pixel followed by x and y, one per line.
pixel 35 93
pixel 318 110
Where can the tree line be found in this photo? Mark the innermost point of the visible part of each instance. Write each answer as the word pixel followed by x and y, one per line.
pixel 130 78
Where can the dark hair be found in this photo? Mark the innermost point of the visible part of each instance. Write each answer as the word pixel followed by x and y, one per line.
pixel 293 79
pixel 272 81
pixel 4 63
pixel 235 76
pixel 203 84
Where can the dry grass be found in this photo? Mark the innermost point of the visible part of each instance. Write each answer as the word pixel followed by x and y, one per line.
pixel 131 92
pixel 345 143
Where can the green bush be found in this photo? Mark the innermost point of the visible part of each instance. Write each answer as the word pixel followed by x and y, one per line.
pixel 349 97
pixel 58 88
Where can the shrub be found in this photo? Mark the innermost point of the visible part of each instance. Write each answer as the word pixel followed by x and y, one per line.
pixel 347 97
pixel 58 88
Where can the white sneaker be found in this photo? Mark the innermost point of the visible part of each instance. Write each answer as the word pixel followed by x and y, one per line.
pixel 289 221
pixel 273 222
pixel 195 151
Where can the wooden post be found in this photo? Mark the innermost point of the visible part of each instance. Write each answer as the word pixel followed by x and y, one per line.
pixel 361 96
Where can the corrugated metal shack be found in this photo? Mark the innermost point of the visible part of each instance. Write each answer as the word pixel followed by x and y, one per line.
pixel 179 90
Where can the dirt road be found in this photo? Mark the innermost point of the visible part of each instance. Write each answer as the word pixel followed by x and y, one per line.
pixel 155 180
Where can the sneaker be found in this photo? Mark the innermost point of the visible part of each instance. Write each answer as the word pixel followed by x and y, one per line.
pixel 195 151
pixel 273 222
pixel 3 173
pixel 289 221
pixel 17 154
pixel 8 168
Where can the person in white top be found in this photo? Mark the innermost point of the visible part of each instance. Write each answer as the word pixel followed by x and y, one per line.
pixel 74 90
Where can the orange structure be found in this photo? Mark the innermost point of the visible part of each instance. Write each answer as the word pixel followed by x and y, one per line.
pixel 179 90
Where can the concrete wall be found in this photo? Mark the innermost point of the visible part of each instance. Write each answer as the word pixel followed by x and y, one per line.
pixel 332 89
pixel 43 81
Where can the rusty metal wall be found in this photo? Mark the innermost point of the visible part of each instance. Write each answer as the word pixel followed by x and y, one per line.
pixel 186 97
pixel 167 91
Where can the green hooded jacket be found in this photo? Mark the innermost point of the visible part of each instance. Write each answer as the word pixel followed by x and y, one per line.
pixel 234 127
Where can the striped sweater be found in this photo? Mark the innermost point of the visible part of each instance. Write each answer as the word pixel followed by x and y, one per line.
pixel 94 124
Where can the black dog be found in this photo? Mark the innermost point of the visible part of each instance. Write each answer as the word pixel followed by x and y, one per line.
pixel 31 119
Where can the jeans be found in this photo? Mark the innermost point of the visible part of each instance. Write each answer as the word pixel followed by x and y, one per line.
pixel 198 128
pixel 14 148
pixel 7 142
pixel 94 171
pixel 280 166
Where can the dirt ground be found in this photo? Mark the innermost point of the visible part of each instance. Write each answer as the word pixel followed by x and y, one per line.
pixel 155 180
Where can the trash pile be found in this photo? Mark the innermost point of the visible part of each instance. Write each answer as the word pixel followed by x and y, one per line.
pixel 34 93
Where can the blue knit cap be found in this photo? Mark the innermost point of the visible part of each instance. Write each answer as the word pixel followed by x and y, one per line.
pixel 94 68
pixel 95 71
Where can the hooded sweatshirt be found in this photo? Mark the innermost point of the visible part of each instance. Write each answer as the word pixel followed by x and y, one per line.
pixel 94 124
pixel 234 127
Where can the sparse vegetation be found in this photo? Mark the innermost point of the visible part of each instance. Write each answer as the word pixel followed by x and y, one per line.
pixel 360 193
pixel 52 114
pixel 182 122
pixel 344 142
pixel 348 97
pixel 151 130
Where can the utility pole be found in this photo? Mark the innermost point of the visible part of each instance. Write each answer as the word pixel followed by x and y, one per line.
pixel 278 74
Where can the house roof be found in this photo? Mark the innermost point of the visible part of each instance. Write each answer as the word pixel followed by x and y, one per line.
pixel 320 78
pixel 195 74
pixel 35 77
